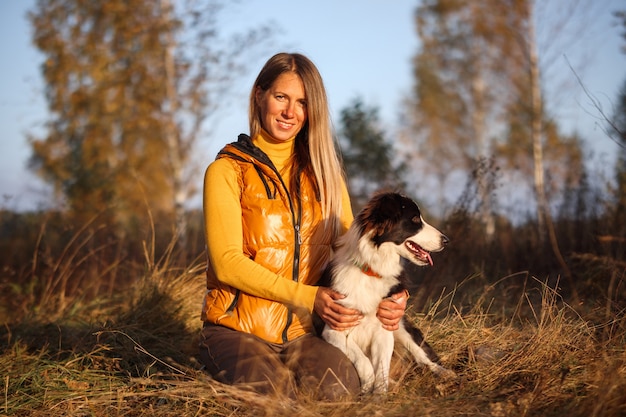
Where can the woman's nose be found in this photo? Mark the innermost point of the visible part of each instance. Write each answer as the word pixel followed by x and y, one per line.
pixel 289 110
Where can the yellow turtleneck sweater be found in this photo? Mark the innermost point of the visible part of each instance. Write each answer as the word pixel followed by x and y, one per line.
pixel 224 235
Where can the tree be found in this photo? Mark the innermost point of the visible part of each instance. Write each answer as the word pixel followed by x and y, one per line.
pixel 479 89
pixel 459 91
pixel 129 86
pixel 367 155
pixel 618 132
pixel 478 95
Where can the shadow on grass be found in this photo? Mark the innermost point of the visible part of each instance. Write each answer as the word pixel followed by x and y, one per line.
pixel 151 336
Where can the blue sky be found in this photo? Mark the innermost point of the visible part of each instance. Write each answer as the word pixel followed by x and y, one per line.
pixel 362 47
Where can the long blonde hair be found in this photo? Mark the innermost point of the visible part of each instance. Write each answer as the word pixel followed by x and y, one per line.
pixel 315 151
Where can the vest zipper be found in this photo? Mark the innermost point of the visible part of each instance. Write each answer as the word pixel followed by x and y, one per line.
pixel 296 250
pixel 296 222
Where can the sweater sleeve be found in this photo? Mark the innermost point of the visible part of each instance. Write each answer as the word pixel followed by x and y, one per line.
pixel 224 239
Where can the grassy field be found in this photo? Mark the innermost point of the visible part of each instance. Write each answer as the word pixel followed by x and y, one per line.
pixel 73 346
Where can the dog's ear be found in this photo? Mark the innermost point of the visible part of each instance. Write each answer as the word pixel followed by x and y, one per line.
pixel 382 211
pixel 381 228
pixel 384 221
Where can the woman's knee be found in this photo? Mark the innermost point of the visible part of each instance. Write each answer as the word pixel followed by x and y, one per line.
pixel 238 358
pixel 324 370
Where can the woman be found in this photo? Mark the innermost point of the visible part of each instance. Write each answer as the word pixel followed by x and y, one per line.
pixel 274 203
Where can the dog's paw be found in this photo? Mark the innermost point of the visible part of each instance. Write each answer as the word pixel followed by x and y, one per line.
pixel 448 382
pixel 380 388
pixel 367 385
pixel 446 374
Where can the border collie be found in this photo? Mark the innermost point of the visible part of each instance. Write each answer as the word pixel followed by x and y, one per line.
pixel 367 267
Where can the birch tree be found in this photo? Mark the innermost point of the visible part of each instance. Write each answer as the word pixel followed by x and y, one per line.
pixel 129 86
pixel 478 94
pixel 479 89
pixel 459 92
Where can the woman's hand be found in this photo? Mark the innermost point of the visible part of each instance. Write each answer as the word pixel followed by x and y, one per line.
pixel 391 310
pixel 334 314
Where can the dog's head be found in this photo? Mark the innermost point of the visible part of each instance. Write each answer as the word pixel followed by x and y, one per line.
pixel 394 221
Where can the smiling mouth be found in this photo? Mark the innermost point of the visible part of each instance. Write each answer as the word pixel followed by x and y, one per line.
pixel 420 253
pixel 284 125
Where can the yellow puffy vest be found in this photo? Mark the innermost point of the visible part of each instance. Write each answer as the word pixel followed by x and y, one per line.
pixel 283 235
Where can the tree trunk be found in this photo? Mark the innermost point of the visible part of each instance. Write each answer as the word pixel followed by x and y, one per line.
pixel 172 134
pixel 544 218
pixel 482 166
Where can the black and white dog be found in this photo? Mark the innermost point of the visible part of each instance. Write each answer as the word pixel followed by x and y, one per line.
pixel 367 267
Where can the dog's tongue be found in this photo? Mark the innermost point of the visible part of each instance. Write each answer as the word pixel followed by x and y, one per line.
pixel 419 252
pixel 430 260
pixel 425 256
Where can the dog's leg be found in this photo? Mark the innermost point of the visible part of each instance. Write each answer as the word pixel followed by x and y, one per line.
pixel 417 337
pixel 381 351
pixel 362 363
pixel 413 340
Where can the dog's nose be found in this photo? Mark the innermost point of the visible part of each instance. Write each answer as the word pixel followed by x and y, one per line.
pixel 444 240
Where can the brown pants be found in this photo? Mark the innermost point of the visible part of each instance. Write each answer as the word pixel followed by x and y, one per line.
pixel 308 364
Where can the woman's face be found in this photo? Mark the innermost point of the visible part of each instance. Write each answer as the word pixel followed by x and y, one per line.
pixel 283 106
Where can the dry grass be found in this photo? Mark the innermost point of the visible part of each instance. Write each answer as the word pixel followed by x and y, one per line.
pixel 90 331
pixel 136 357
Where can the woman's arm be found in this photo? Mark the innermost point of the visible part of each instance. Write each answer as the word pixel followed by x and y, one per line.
pixel 224 239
